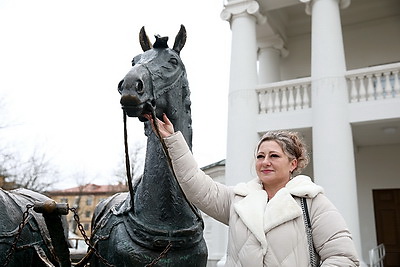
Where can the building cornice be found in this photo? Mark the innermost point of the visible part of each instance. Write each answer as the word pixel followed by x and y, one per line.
pixel 342 4
pixel 275 41
pixel 238 8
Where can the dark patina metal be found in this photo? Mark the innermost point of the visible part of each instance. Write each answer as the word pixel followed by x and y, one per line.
pixel 154 220
pixel 52 213
pixel 25 239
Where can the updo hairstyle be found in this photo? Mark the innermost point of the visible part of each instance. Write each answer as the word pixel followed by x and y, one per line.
pixel 292 146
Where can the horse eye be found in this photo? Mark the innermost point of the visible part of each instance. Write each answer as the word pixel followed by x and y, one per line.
pixel 136 59
pixel 173 61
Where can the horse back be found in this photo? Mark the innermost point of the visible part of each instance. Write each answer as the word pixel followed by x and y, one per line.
pixel 34 246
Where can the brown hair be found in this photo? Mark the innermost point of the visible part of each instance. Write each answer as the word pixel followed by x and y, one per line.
pixel 292 146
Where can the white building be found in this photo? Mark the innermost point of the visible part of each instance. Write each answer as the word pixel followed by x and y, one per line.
pixel 330 70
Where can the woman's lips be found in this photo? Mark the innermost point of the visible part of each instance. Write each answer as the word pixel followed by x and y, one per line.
pixel 266 171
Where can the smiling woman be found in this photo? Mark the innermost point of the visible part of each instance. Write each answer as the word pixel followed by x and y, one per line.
pixel 266 216
pixel 61 63
pixel 273 166
pixel 279 155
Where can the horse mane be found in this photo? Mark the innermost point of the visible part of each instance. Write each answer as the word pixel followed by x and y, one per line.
pixel 161 42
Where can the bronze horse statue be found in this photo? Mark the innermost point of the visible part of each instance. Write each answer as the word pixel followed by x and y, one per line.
pixel 153 224
pixel 25 238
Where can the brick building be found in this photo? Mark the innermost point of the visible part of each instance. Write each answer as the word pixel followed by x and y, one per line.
pixel 84 199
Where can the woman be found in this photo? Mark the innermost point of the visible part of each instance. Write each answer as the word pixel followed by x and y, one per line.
pixel 265 218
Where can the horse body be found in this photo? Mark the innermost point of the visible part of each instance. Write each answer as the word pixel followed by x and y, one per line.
pixel 133 229
pixel 34 247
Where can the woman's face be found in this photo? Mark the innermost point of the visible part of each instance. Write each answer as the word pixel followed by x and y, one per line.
pixel 273 165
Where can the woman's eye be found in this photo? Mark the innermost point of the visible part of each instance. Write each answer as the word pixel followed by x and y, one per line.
pixel 260 156
pixel 274 156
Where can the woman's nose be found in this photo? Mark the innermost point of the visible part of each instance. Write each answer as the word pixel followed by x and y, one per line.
pixel 266 161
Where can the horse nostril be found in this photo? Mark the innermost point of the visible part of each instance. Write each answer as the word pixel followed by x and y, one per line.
pixel 139 86
pixel 120 86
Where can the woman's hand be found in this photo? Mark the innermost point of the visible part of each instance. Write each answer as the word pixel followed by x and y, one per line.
pixel 166 128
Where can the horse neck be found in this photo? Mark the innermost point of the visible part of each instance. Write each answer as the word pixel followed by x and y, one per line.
pixel 158 198
pixel 156 158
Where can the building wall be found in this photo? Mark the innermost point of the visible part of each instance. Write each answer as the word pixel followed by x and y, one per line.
pixel 86 203
pixel 372 43
pixel 298 63
pixel 366 44
pixel 215 233
pixel 377 167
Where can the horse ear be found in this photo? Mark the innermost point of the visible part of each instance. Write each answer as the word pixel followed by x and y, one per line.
pixel 144 40
pixel 180 39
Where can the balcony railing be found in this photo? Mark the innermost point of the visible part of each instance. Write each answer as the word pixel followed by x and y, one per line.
pixel 284 96
pixel 367 84
pixel 374 83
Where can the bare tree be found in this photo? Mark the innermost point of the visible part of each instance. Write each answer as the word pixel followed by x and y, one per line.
pixel 35 173
pixel 2 107
pixel 136 160
pixel 5 159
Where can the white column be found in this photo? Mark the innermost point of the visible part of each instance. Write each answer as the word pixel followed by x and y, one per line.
pixel 333 152
pixel 271 50
pixel 242 100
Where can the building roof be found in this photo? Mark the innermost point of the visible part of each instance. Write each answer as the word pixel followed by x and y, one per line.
pixel 215 164
pixel 90 189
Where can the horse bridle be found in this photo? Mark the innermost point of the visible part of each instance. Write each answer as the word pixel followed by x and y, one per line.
pixel 165 150
pixel 152 104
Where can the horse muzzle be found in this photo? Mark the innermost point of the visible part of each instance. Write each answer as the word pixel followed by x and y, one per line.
pixel 134 107
pixel 136 92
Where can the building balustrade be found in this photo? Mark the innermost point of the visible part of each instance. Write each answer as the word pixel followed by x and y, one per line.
pixel 284 96
pixel 374 83
pixel 366 84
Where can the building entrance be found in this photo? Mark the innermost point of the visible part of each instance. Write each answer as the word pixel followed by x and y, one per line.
pixel 387 220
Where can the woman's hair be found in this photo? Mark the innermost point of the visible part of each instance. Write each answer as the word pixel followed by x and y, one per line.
pixel 292 146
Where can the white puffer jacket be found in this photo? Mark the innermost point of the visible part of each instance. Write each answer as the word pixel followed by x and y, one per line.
pixel 263 233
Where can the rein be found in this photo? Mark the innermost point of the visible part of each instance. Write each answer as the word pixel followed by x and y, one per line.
pixel 165 150
pixel 127 160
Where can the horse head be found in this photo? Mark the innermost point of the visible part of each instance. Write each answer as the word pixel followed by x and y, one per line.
pixel 149 85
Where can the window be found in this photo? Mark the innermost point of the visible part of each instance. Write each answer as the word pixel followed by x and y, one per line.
pixel 88 214
pixel 89 200
pixel 76 201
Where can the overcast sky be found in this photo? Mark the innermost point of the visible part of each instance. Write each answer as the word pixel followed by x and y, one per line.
pixel 60 64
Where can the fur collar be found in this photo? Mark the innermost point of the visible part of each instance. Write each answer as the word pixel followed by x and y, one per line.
pixel 261 216
pixel 250 210
pixel 302 186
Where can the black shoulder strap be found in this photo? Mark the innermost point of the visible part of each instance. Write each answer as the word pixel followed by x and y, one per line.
pixel 314 257
pixel 305 210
